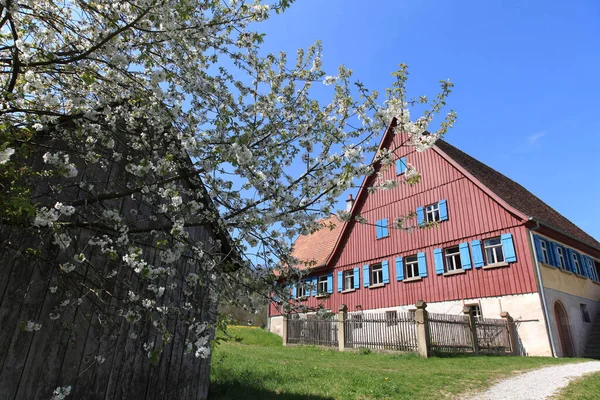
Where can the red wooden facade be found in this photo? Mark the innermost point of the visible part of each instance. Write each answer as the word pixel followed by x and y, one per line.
pixel 473 214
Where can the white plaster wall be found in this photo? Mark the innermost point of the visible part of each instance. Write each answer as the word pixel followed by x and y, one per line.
pixel 276 325
pixel 580 330
pixel 526 310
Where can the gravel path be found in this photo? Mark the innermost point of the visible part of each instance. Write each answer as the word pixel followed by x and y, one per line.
pixel 539 384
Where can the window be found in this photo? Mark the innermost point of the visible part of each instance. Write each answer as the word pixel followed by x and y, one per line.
pixel 476 311
pixel 411 267
pixel 391 318
pixel 376 274
pixel 493 251
pixel 584 312
pixel 562 262
pixel 545 258
pixel 576 265
pixel 401 166
pixel 432 213
pixel 452 258
pixel 356 321
pixel 381 228
pixel 322 289
pixel 348 280
pixel 301 291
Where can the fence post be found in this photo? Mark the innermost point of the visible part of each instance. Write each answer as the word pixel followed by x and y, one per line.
pixel 468 311
pixel 284 329
pixel 342 316
pixel 512 332
pixel 422 321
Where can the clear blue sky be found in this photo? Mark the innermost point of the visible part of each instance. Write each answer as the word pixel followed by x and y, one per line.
pixel 526 76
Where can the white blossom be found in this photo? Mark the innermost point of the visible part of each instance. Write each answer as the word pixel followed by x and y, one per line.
pixel 6 154
pixel 61 393
pixel 32 326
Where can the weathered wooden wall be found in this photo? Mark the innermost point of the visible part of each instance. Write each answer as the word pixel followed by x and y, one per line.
pixel 63 352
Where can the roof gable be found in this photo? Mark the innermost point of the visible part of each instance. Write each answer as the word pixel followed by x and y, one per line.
pixel 516 195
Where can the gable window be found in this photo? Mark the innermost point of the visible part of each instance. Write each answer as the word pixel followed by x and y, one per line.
pixel 562 262
pixel 435 212
pixel 411 266
pixel 322 289
pixel 376 274
pixel 349 279
pixel 493 251
pixel 432 213
pixel 585 315
pixel 452 259
pixel 400 166
pixel 545 257
pixel 381 228
pixel 391 318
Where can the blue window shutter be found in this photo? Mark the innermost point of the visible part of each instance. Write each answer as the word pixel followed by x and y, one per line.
pixel 438 260
pixel 366 275
pixel 294 292
pixel 356 278
pixel 385 268
pixel 330 282
pixel 378 229
pixel 465 257
pixel 314 285
pixel 570 264
pixel 399 269
pixel 443 210
pixel 384 228
pixel 400 165
pixel 550 249
pixel 477 254
pixel 340 281
pixel 420 215
pixel 538 249
pixel 422 264
pixel 508 247
pixel 554 251
pixel 584 270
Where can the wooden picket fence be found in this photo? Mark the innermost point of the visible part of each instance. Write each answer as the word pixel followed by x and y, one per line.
pixel 420 331
pixel 394 331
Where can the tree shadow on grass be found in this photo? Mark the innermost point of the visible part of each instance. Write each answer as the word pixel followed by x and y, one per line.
pixel 238 390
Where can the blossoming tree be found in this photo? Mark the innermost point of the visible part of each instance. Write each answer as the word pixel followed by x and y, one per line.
pixel 146 146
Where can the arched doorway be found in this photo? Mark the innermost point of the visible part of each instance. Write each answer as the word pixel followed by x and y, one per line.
pixel 562 321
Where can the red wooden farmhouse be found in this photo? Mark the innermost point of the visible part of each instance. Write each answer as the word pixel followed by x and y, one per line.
pixel 495 247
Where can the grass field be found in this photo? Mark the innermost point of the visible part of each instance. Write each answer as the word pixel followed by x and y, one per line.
pixel 585 388
pixel 257 366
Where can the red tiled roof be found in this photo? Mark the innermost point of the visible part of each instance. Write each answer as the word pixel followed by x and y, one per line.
pixel 313 249
pixel 516 195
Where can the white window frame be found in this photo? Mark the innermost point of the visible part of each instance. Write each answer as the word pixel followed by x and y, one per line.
pixel 322 285
pixel 562 261
pixel 411 267
pixel 452 261
pixel 493 251
pixel 576 262
pixel 377 272
pixel 476 311
pixel 545 253
pixel 432 213
pixel 301 291
pixel 348 275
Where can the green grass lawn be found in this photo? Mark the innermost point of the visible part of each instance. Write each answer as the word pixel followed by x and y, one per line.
pixel 257 366
pixel 584 388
